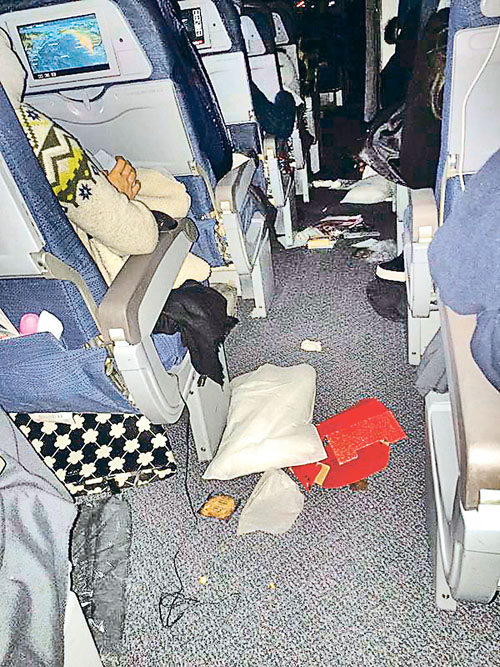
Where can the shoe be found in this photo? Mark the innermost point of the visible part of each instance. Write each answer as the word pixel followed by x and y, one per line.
pixel 387 299
pixel 393 270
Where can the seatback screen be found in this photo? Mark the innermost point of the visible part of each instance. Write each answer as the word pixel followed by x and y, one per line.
pixel 71 45
pixel 194 25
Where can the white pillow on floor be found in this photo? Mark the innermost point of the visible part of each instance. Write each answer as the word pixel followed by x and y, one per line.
pixel 268 425
pixel 371 190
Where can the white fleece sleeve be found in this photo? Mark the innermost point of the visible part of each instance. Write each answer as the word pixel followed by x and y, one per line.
pixel 160 192
pixel 127 227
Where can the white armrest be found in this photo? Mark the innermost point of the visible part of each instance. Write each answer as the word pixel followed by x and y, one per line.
pixel 416 241
pixel 475 408
pixel 128 314
pixel 425 215
pixel 137 295
pixel 232 189
pixel 230 194
pixel 278 187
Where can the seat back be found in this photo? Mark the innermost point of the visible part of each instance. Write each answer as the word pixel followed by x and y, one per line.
pixel 41 373
pixel 467 147
pixel 259 33
pixel 467 143
pixel 104 113
pixel 163 114
pixel 214 27
pixel 33 209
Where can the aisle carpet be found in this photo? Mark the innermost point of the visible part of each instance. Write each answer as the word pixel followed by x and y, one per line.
pixel 351 583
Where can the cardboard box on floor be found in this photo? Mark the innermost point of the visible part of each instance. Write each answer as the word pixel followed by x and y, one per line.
pixel 357 444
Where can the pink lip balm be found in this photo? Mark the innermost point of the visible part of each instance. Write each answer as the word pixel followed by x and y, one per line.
pixel 28 324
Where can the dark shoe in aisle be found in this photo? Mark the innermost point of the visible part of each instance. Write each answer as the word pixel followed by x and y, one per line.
pixel 387 299
pixel 393 270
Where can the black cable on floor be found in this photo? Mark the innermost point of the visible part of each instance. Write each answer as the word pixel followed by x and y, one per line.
pixel 176 603
pixel 186 471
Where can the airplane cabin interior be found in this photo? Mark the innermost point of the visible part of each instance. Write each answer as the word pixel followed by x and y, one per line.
pixel 249 333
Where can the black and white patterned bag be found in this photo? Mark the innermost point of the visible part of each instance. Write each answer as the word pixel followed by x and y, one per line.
pixel 92 453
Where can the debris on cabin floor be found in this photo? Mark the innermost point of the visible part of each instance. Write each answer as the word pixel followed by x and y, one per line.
pixel 301 238
pixel 337 184
pixel 327 231
pixel 375 252
pixel 357 443
pixel 372 190
pixel 273 506
pixel 321 243
pixel 219 506
pixel 362 485
pixel 345 227
pixel 341 220
pixel 311 345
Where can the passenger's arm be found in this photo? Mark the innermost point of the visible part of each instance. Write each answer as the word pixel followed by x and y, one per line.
pixel 127 227
pixel 91 202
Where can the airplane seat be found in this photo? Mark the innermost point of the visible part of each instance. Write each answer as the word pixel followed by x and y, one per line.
pixel 416 223
pixel 239 237
pixel 155 104
pixel 107 360
pixel 215 28
pixel 462 432
pixel 259 34
pixel 286 40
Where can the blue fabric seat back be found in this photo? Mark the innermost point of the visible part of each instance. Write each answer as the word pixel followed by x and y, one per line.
pixel 40 373
pixel 457 259
pixel 18 296
pixel 463 14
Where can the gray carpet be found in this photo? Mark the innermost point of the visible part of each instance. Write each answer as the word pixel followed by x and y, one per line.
pixel 353 576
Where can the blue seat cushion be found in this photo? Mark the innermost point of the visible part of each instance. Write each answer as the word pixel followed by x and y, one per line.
pixel 40 375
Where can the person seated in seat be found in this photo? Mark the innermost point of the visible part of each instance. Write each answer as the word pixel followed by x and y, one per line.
pixel 115 214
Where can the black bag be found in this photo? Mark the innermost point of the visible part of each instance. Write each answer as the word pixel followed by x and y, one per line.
pixel 383 141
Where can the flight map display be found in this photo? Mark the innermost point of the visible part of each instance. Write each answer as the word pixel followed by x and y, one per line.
pixel 65 46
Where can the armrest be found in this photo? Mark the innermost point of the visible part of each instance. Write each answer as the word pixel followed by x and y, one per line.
pixel 232 189
pixel 425 215
pixel 281 183
pixel 475 407
pixel 134 300
pixel 269 146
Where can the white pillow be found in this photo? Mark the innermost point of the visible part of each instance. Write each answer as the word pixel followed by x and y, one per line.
pixel 371 190
pixel 268 424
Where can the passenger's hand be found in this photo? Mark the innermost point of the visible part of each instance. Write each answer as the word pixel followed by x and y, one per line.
pixel 124 178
